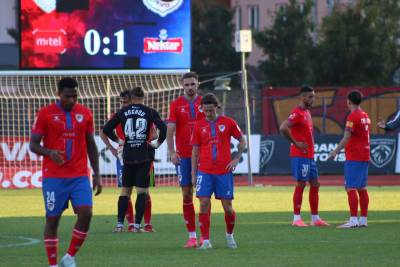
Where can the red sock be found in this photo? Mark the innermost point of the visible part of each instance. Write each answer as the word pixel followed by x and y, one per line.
pixel 189 216
pixel 297 199
pixel 147 211
pixel 51 245
pixel 313 199
pixel 77 240
pixel 129 213
pixel 353 202
pixel 204 221
pixel 230 222
pixel 364 201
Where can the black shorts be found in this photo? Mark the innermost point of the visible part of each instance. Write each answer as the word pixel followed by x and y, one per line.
pixel 136 174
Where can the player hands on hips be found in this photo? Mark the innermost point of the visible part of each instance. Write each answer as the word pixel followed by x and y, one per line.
pixel 356 145
pixel 183 114
pixel 298 129
pixel 137 121
pixel 66 129
pixel 212 166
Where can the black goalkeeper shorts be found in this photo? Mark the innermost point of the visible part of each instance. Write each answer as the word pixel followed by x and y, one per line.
pixel 137 174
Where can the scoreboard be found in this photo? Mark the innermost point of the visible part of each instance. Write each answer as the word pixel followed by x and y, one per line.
pixel 105 34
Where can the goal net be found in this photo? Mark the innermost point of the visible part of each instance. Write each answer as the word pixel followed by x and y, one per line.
pixel 21 96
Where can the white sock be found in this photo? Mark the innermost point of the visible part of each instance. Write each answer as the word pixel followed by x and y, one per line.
pixel 354 220
pixel 54 265
pixel 136 225
pixel 314 218
pixel 363 220
pixel 192 235
pixel 229 235
pixel 296 217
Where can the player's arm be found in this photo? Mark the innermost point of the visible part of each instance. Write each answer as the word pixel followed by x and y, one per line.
pixel 93 155
pixel 36 147
pixel 162 128
pixel 285 131
pixel 109 127
pixel 194 162
pixel 171 129
pixel 107 142
pixel 341 145
pixel 390 125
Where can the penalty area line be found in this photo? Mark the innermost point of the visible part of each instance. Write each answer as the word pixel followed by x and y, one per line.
pixel 28 242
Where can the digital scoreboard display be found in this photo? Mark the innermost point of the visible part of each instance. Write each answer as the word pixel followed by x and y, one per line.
pixel 105 34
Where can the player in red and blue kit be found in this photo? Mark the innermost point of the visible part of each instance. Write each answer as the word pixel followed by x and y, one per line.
pixel 356 145
pixel 298 129
pixel 66 129
pixel 184 112
pixel 212 166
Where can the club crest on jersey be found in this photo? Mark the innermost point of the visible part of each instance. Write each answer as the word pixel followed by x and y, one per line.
pixel 56 118
pixel 79 117
pixel 47 6
pixel 200 109
pixel 221 127
pixel 162 7
pixel 382 151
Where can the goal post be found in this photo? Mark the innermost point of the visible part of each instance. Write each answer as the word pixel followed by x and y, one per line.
pixel 22 94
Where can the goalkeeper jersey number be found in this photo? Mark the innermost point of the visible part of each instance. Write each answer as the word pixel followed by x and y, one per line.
pixel 136 121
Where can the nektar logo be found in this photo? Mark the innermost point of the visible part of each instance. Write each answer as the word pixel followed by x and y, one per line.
pixel 382 151
pixel 163 44
pixel 162 7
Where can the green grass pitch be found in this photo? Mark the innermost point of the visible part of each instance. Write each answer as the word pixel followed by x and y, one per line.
pixel 263 231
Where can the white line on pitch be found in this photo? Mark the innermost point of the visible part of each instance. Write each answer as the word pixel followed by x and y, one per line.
pixel 29 242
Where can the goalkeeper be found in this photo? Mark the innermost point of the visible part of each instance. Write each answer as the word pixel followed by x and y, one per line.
pixel 125 99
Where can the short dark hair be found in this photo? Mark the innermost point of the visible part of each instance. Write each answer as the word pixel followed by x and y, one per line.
pixel 191 74
pixel 209 99
pixel 125 93
pixel 355 97
pixel 66 82
pixel 306 89
pixel 137 92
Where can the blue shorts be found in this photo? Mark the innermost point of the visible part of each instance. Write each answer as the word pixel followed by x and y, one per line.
pixel 119 172
pixel 184 171
pixel 304 169
pixel 58 191
pixel 219 184
pixel 355 174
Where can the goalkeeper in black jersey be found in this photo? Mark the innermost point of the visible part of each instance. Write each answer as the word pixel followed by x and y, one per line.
pixel 136 121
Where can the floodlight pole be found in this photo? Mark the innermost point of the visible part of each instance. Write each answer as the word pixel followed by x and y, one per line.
pixel 247 117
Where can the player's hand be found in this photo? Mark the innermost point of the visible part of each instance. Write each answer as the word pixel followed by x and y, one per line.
pixel 175 157
pixel 97 186
pixel 155 145
pixel 232 165
pixel 332 154
pixel 57 156
pixel 382 124
pixel 302 146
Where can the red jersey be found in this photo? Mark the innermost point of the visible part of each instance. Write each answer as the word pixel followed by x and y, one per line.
pixel 65 131
pixel 358 148
pixel 184 114
pixel 214 141
pixel 301 127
